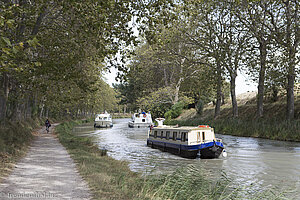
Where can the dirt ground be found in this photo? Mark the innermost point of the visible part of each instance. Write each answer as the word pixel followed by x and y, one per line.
pixel 46 172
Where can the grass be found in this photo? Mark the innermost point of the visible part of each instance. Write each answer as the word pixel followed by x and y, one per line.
pixel 272 126
pixel 121 115
pixel 107 178
pixel 269 129
pixel 112 179
pixel 15 138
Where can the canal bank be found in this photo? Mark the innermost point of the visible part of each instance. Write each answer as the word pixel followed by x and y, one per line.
pixel 15 138
pixel 110 178
pixel 273 125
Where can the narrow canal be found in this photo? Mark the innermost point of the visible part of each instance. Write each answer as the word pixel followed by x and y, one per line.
pixel 257 162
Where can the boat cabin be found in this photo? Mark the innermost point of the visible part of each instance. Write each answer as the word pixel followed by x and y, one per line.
pixel 185 141
pixel 183 135
pixel 103 120
pixel 139 120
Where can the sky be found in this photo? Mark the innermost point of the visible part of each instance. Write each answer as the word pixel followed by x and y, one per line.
pixel 242 84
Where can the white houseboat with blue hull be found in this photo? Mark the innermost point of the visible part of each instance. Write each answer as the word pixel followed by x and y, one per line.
pixel 140 120
pixel 103 120
pixel 187 142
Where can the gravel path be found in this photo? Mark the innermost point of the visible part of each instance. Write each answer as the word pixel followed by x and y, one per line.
pixel 47 172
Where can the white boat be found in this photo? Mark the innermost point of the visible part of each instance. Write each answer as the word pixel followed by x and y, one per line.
pixel 103 120
pixel 186 141
pixel 140 120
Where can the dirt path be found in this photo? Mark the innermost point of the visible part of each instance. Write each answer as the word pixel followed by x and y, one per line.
pixel 47 172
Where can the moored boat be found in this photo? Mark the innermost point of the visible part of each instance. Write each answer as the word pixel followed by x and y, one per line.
pixel 140 120
pixel 185 141
pixel 103 120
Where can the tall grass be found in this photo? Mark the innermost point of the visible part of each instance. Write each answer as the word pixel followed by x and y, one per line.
pixel 186 183
pixel 112 179
pixel 269 129
pixel 194 183
pixel 15 138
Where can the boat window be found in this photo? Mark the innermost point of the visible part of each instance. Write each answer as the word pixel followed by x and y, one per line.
pixel 174 135
pixel 203 136
pixel 143 120
pixel 198 136
pixel 161 134
pixel 183 137
pixel 155 134
pixel 167 135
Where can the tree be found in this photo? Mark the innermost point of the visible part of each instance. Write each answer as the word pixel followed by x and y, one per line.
pixel 284 17
pixel 253 16
pixel 51 51
pixel 204 35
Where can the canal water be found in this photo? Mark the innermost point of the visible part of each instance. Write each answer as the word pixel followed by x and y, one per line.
pixel 254 162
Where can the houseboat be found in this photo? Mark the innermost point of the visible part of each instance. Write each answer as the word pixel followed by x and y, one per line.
pixel 188 142
pixel 103 120
pixel 140 120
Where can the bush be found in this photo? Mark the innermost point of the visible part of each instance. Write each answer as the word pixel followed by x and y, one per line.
pixel 199 107
pixel 175 110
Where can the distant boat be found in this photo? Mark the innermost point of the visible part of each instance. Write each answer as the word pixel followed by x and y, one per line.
pixel 140 120
pixel 103 120
pixel 186 141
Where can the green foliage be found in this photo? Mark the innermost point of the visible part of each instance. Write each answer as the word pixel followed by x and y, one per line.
pixel 200 107
pixel 158 102
pixel 175 110
pixel 55 65
pixel 15 138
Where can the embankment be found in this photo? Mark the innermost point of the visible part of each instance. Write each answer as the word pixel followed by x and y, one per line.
pixel 272 126
pixel 15 137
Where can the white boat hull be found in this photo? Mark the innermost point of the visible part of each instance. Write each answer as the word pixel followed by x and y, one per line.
pixel 139 125
pixel 103 124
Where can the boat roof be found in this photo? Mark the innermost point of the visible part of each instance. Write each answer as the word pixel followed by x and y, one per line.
pixel 185 128
pixel 142 113
pixel 103 115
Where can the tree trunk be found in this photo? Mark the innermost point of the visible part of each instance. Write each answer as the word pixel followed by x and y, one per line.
pixel 177 88
pixel 42 110
pixel 124 111
pixel 292 48
pixel 176 98
pixel 4 92
pixel 290 98
pixel 261 81
pixel 290 104
pixel 219 91
pixel 233 96
pixel 222 98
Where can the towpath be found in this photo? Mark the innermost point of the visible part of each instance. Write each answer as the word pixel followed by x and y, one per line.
pixel 46 172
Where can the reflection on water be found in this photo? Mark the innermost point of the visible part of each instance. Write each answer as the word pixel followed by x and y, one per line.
pixel 263 162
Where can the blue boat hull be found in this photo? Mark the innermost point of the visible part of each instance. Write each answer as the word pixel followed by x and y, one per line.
pixel 207 150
